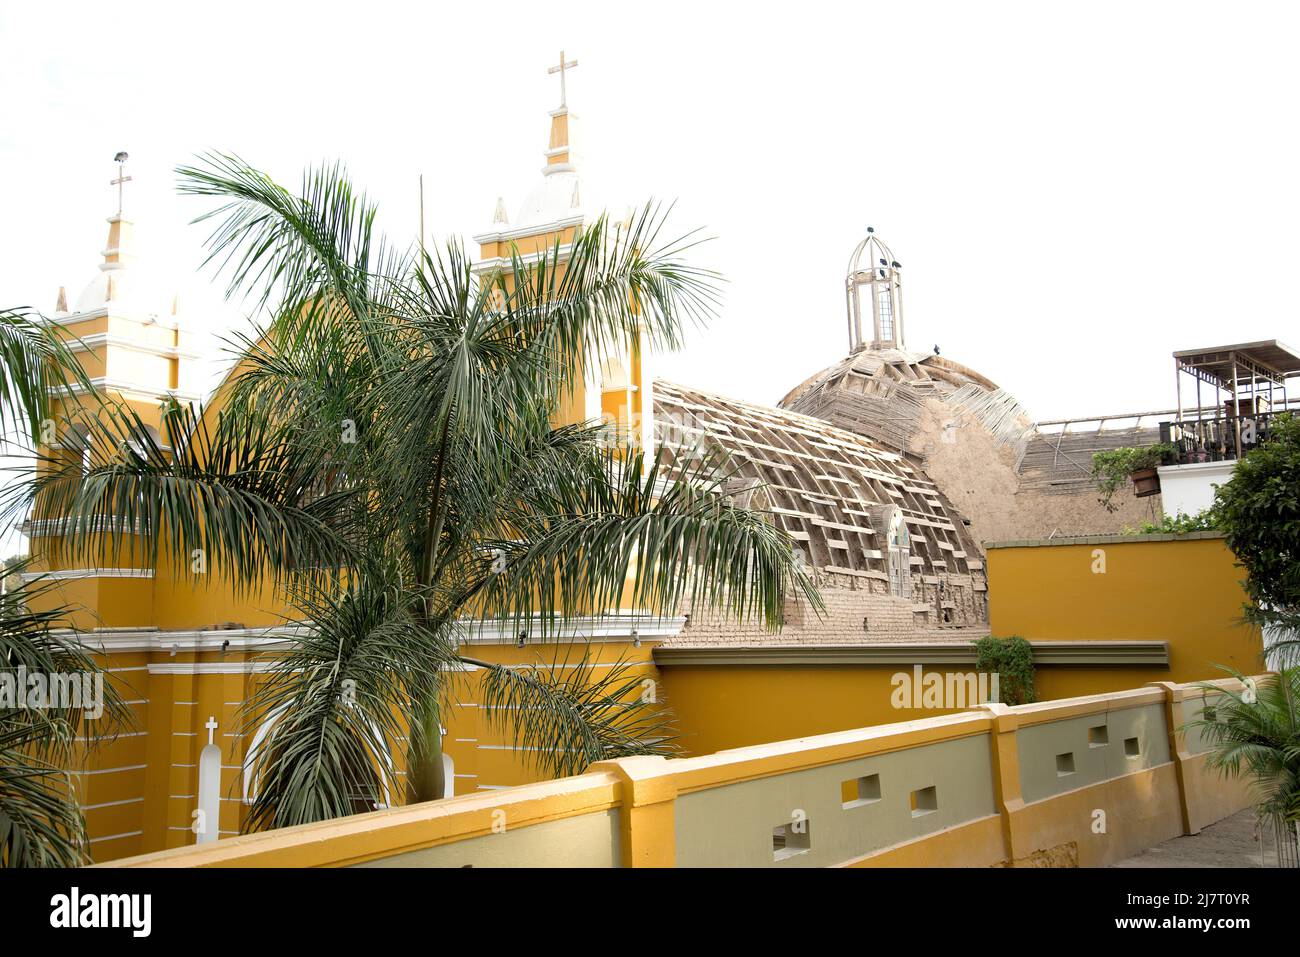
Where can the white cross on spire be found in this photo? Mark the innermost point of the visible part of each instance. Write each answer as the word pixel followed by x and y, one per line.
pixel 122 178
pixel 560 68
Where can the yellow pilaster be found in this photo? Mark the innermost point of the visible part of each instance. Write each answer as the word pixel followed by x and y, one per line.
pixel 647 818
pixel 1006 773
pixel 1178 748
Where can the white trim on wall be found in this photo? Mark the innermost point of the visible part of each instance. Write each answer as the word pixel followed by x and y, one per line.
pixel 616 626
pixel 105 383
pixel 94 340
pixel 522 232
pixel 209 668
pixel 72 573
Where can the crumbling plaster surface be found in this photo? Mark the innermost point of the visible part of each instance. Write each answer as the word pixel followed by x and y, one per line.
pixel 978 475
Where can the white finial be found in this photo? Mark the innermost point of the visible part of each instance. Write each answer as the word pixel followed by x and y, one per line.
pixel 499 216
pixel 120 159
pixel 211 726
pixel 575 202
pixel 560 68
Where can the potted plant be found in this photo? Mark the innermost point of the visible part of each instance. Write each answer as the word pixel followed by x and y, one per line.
pixel 1112 468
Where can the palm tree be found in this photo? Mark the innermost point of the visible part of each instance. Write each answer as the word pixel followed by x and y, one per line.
pixel 41 824
pixel 385 450
pixel 1256 732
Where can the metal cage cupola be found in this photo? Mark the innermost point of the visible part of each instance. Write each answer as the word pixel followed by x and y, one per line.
pixel 873 290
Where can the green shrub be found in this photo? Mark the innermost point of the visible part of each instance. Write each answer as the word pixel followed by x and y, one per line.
pixel 1012 660
pixel 1206 520
pixel 1259 511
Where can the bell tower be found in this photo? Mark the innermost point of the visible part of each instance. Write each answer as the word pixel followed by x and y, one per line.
pixel 873 291
pixel 617 390
pixel 134 351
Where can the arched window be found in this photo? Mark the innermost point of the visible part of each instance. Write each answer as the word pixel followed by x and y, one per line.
pixel 77 442
pixel 144 442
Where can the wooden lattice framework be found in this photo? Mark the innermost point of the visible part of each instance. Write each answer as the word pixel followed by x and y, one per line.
pixel 828 488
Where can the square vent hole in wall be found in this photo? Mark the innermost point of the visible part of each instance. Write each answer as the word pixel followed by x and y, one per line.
pixel 925 801
pixel 860 792
pixel 1099 736
pixel 791 839
pixel 1131 748
pixel 1064 764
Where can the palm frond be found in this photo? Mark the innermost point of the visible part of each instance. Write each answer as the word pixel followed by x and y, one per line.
pixel 339 701
pixel 571 714
pixel 243 499
pixel 41 824
pixel 608 525
pixel 35 364
pixel 314 248
pixel 1255 733
pixel 35 636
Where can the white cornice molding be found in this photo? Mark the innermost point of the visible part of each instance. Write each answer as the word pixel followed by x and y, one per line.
pixel 43 527
pixel 616 626
pixel 211 668
pixel 69 574
pixel 126 388
pixel 504 264
pixel 521 232
pixel 71 318
pixel 113 640
pixel 97 339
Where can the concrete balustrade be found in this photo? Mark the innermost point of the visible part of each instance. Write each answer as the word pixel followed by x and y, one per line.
pixel 1081 781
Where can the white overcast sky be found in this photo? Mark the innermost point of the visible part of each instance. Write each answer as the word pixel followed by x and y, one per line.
pixel 1075 190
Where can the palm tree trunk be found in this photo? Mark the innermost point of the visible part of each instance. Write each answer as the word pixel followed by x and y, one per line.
pixel 425 780
pixel 424 773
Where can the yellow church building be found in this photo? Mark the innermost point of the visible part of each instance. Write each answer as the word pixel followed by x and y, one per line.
pixel 907 580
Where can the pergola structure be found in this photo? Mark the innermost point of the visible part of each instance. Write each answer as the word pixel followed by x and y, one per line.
pixel 1254 377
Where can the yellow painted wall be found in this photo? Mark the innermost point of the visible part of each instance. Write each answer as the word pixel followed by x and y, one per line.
pixel 722 707
pixel 1184 590
pixel 141 786
pixel 720 809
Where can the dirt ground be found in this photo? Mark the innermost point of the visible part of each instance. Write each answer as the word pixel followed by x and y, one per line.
pixel 1230 843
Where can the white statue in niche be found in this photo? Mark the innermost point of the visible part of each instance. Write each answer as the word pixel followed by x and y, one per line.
pixel 900 554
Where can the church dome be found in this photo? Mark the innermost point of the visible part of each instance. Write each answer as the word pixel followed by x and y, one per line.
pixel 882 389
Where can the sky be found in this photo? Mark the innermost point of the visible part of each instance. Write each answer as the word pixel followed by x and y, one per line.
pixel 1075 190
